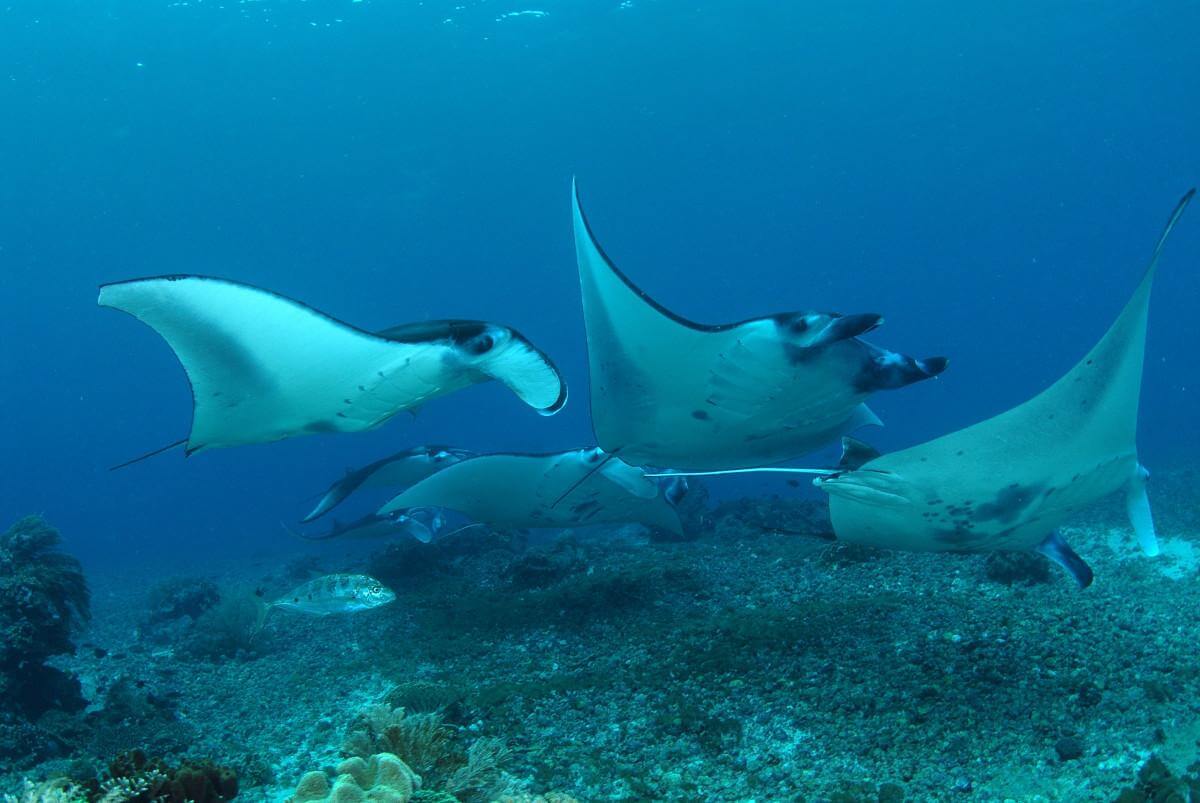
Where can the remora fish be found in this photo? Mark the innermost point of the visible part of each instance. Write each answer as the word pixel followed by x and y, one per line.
pixel 336 593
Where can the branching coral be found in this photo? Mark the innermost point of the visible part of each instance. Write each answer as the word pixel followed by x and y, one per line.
pixel 422 740
pixel 134 778
pixel 484 760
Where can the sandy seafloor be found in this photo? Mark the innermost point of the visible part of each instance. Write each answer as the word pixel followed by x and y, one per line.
pixel 741 666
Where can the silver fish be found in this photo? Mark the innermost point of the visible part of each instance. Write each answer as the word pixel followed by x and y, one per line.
pixel 336 593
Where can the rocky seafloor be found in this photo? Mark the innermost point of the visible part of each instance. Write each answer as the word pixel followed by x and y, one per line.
pixel 745 664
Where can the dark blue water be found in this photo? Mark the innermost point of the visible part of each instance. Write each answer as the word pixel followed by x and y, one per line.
pixel 990 179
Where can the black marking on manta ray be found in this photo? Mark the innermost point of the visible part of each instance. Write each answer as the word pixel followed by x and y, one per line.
pixel 1009 503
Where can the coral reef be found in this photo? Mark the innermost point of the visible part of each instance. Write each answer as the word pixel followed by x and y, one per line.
pixel 43 598
pixel 133 777
pixel 381 778
pixel 435 750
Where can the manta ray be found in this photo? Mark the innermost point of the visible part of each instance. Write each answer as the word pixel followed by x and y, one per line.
pixel 565 489
pixel 1010 481
pixel 263 367
pixel 394 471
pixel 422 524
pixel 667 391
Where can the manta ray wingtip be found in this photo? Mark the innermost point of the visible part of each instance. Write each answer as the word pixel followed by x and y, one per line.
pixel 558 404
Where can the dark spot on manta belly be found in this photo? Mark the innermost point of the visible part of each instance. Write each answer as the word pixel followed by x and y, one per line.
pixel 320 426
pixel 700 415
pixel 1009 503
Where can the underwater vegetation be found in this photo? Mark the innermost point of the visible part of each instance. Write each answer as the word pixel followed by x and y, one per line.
pixel 44 597
pixel 393 756
pixel 133 777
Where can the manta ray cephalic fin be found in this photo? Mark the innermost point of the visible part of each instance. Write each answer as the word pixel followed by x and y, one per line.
pixel 1137 505
pixel 1059 551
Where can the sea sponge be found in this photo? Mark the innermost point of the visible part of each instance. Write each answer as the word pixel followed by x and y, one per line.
pixel 383 778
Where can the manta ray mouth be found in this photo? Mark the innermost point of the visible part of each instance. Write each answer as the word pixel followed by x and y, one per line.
pixel 869 486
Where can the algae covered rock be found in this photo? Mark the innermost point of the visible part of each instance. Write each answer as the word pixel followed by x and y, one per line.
pixel 1012 568
pixel 43 598
pixel 383 778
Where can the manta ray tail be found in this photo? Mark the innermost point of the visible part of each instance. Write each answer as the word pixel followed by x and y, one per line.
pixel 149 454
pixel 1059 551
pixel 586 477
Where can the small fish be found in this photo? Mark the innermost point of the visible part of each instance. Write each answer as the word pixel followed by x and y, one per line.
pixel 336 593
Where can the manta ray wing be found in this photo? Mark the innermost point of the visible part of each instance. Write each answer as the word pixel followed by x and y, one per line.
pixel 263 367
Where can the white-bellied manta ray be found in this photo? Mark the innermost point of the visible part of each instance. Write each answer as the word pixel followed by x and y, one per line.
pixel 666 391
pixel 576 488
pixel 1009 482
pixel 263 367
pixel 394 471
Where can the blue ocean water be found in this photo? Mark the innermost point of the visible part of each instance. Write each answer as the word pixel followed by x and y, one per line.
pixel 989 179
